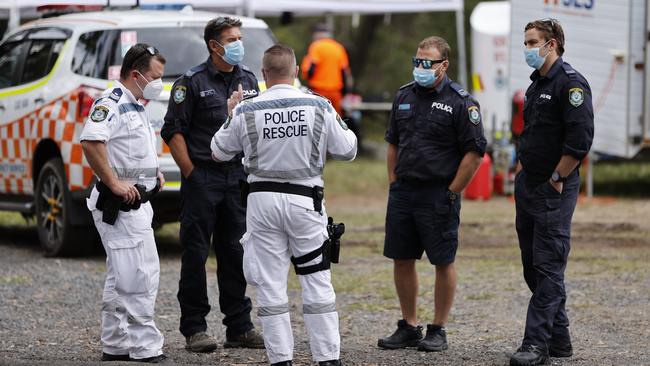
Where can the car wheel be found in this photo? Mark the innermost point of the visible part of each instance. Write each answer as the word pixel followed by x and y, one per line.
pixel 52 198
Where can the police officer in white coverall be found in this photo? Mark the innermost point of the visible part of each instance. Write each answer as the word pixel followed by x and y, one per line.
pixel 285 135
pixel 119 144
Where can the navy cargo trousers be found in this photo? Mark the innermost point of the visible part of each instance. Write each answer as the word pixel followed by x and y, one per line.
pixel 543 225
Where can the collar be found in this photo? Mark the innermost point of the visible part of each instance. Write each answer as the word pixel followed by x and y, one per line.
pixel 557 65
pixel 427 91
pixel 213 71
pixel 282 86
pixel 126 92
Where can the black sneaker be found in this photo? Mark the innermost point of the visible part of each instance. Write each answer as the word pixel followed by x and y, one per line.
pixel 560 350
pixel 406 335
pixel 155 359
pixel 283 363
pixel 435 340
pixel 330 363
pixel 529 355
pixel 110 357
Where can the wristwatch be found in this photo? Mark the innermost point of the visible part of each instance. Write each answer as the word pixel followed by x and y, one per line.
pixel 557 178
pixel 453 196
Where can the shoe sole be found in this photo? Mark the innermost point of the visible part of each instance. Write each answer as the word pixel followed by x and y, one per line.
pixel 202 349
pixel 433 349
pixel 413 343
pixel 241 345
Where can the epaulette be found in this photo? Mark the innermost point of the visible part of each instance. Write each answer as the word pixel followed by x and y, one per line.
pixel 198 68
pixel 116 94
pixel 459 89
pixel 571 73
pixel 406 85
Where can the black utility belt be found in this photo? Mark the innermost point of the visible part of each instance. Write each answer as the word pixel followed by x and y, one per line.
pixel 316 193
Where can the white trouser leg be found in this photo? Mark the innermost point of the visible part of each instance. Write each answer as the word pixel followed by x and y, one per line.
pixel 131 284
pixel 307 232
pixel 266 264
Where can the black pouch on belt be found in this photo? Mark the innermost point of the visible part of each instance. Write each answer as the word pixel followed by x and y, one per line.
pixel 318 193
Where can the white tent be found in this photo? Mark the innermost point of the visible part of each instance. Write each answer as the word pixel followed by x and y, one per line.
pixel 275 7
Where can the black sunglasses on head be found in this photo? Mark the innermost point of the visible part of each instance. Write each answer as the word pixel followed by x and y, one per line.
pixel 426 63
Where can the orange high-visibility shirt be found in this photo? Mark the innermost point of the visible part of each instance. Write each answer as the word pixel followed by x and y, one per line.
pixel 330 59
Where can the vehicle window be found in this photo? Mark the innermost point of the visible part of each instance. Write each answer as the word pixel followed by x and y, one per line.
pixel 40 59
pixel 89 58
pixel 9 58
pixel 183 48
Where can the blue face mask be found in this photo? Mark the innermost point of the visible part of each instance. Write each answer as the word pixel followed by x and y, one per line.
pixel 425 78
pixel 533 59
pixel 234 52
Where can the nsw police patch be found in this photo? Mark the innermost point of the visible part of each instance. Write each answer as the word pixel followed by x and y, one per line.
pixel 99 113
pixel 474 114
pixel 341 123
pixel 576 97
pixel 179 94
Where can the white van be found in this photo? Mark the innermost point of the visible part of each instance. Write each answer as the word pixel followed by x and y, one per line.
pixel 51 70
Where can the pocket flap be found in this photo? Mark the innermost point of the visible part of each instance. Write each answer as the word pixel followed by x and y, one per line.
pixel 124 243
pixel 302 201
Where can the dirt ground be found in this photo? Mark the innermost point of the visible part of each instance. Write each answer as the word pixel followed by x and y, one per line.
pixel 49 308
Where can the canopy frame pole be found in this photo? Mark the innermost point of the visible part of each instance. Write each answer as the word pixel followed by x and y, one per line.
pixel 462 51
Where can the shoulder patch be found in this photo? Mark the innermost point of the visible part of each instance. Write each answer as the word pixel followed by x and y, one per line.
pixel 576 97
pixel 459 89
pixel 99 113
pixel 406 85
pixel 198 68
pixel 116 94
pixel 179 94
pixel 474 114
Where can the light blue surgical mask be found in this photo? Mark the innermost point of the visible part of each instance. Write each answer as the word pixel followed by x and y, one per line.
pixel 425 78
pixel 533 59
pixel 234 52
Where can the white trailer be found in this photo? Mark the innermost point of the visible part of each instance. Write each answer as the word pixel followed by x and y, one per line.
pixel 607 41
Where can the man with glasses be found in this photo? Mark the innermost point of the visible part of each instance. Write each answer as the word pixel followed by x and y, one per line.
pixel 211 212
pixel 435 144
pixel 558 132
pixel 119 144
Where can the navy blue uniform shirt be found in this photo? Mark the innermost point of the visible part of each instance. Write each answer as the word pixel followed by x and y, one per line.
pixel 558 120
pixel 433 130
pixel 198 106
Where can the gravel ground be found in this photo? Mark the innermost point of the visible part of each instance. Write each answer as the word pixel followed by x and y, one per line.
pixel 49 308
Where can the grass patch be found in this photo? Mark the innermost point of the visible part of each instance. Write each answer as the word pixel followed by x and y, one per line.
pixel 363 176
pixel 621 178
pixel 14 280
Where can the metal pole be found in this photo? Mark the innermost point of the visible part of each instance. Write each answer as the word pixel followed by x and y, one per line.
pixel 462 56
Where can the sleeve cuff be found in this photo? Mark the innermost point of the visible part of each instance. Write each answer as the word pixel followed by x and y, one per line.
pixel 93 138
pixel 575 153
pixel 391 140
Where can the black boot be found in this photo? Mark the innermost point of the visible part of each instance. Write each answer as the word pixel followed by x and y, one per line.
pixel 330 363
pixel 155 359
pixel 283 363
pixel 529 355
pixel 435 340
pixel 560 350
pixel 110 357
pixel 406 335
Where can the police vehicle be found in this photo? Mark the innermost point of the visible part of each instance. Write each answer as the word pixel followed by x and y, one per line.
pixel 51 70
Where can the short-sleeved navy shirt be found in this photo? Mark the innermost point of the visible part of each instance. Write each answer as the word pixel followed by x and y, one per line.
pixel 558 120
pixel 198 106
pixel 433 129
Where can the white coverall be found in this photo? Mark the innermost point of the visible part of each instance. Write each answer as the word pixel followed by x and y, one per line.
pixel 285 135
pixel 132 264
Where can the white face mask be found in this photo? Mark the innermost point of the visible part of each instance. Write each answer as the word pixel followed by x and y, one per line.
pixel 153 88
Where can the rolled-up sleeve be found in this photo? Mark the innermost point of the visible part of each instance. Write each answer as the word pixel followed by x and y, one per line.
pixel 578 116
pixel 469 125
pixel 227 142
pixel 179 110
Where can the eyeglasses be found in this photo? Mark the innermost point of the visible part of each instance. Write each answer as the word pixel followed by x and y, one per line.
pixel 426 63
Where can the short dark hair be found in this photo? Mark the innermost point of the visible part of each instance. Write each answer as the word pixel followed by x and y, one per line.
pixel 279 61
pixel 139 57
pixel 438 43
pixel 550 29
pixel 216 26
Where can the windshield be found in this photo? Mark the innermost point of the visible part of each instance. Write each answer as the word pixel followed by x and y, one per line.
pixel 183 48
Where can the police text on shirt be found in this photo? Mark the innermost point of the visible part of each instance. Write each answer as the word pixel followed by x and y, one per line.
pixel 286 125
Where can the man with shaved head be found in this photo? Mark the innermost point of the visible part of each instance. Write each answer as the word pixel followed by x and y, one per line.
pixel 285 135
